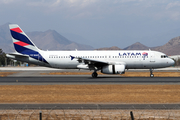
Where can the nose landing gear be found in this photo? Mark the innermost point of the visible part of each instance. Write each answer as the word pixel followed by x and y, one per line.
pixel 151 73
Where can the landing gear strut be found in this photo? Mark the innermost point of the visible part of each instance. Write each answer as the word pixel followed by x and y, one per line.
pixel 94 74
pixel 151 73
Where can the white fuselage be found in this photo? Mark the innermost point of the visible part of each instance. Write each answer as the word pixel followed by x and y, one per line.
pixel 131 59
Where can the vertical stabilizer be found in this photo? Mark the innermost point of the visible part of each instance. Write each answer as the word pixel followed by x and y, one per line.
pixel 23 44
pixel 21 41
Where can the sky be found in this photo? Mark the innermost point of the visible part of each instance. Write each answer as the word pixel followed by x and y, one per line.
pixel 99 23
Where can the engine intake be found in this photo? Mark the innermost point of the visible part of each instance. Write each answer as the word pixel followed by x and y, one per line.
pixel 113 69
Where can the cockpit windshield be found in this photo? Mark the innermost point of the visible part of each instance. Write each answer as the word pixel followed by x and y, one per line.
pixel 164 56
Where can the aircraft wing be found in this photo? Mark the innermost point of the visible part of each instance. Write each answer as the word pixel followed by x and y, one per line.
pixel 95 63
pixel 90 62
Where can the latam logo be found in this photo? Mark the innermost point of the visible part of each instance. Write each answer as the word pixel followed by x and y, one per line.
pixel 129 54
pixel 144 54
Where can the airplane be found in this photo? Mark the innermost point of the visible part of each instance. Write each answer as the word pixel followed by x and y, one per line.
pixel 108 62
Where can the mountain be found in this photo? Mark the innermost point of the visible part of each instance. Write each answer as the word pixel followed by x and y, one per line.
pixel 5 38
pixel 48 40
pixel 52 40
pixel 137 46
pixel 171 48
pixel 109 48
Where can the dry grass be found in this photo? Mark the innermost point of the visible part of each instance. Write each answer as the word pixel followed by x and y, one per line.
pixel 4 74
pixel 156 74
pixel 90 94
pixel 127 74
pixel 89 114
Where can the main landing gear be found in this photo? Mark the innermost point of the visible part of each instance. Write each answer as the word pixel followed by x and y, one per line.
pixel 94 74
pixel 151 73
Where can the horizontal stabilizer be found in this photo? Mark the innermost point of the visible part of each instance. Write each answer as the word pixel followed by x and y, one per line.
pixel 17 54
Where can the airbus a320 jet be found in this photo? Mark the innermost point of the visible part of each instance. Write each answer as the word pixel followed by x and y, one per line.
pixel 108 62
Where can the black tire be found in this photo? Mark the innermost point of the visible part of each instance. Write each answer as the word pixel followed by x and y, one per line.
pixel 151 75
pixel 94 75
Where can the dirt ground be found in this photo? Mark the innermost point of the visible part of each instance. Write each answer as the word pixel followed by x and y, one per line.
pixel 90 114
pixel 89 94
pixel 4 74
pixel 127 74
pixel 156 74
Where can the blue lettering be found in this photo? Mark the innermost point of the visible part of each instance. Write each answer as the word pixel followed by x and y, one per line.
pixel 138 53
pixel 124 53
pixel 132 54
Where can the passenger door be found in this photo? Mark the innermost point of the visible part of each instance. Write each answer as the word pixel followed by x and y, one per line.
pixel 152 57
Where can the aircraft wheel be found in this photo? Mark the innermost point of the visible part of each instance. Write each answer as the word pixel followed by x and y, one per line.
pixel 152 75
pixel 94 75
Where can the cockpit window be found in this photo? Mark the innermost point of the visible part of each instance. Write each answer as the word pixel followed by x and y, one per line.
pixel 164 56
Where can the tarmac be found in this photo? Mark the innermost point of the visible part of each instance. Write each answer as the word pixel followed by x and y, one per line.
pixel 90 106
pixel 33 76
pixel 88 80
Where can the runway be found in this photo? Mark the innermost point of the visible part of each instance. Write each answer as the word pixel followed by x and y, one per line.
pixel 86 79
pixel 35 78
pixel 90 106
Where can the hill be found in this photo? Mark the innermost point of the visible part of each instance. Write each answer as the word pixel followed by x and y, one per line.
pixel 52 40
pixel 109 48
pixel 5 38
pixel 171 48
pixel 48 40
pixel 137 46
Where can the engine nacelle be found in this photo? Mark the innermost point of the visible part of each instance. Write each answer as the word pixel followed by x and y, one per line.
pixel 113 69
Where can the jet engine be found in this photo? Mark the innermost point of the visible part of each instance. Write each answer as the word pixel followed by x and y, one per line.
pixel 113 69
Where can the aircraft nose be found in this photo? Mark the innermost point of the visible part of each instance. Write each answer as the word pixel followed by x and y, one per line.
pixel 171 62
